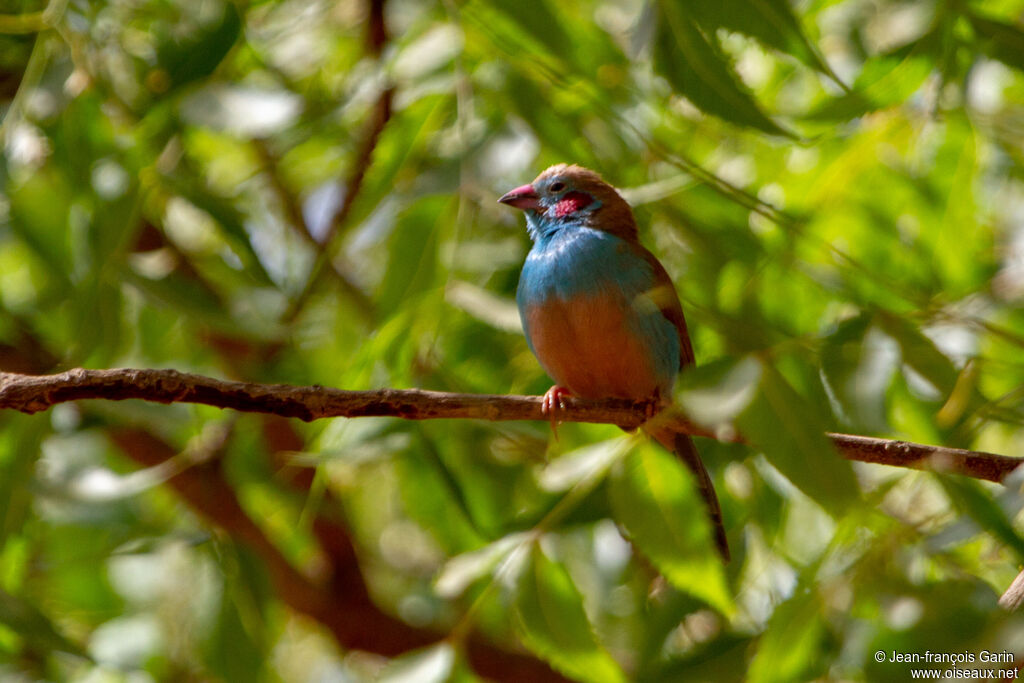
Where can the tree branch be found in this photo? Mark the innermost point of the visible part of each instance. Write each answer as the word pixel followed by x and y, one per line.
pixel 34 393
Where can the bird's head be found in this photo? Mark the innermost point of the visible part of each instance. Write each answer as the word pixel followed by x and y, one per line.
pixel 565 195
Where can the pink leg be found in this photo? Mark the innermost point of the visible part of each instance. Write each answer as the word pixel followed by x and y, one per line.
pixel 655 404
pixel 552 403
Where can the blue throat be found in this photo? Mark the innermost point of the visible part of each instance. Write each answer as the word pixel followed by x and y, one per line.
pixel 540 227
pixel 569 258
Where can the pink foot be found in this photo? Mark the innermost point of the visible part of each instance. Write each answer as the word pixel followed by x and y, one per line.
pixel 552 403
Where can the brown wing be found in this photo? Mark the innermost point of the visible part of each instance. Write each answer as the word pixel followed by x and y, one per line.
pixel 668 302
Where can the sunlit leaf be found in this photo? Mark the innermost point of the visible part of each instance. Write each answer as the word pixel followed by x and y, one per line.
pixel 39 209
pixel 553 623
pixel 885 80
pixel 236 647
pixel 791 430
pixel 1000 40
pixel 557 129
pixel 858 370
pixel 186 59
pixel 920 353
pixel 789 647
pixel 414 246
pixel 695 66
pixel 434 664
pixel 972 499
pixel 576 466
pixel 433 499
pixel 228 216
pixel 770 21
pixel 463 570
pixel 29 622
pixel 716 393
pixel 538 21
pixel 654 498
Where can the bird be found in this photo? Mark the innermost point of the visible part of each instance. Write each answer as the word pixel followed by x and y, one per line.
pixel 599 311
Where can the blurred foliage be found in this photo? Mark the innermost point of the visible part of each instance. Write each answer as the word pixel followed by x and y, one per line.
pixel 286 192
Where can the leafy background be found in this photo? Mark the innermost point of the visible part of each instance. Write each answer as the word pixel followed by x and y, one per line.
pixel 303 192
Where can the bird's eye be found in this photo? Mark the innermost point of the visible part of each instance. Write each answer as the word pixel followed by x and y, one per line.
pixel 557 187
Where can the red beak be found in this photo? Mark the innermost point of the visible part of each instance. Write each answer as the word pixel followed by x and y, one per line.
pixel 522 198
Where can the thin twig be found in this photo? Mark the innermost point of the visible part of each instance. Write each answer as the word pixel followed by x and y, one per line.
pixel 376 38
pixel 292 213
pixel 1013 597
pixel 34 393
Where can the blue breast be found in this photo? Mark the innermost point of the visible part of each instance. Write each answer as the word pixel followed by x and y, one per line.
pixel 576 263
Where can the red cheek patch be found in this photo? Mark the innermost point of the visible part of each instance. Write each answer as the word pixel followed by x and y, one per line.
pixel 571 203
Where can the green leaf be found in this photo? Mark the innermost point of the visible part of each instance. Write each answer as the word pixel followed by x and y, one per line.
pixel 20 440
pixel 972 499
pixel 547 45
pixel 999 40
pixel 772 22
pixel 884 81
pixel 715 393
pixel 226 212
pixel 920 353
pixel 790 649
pixel 724 659
pixel 791 432
pixel 434 664
pixel 461 571
pixel 696 68
pixel 412 255
pixel 654 498
pixel 557 131
pixel 401 144
pixel 538 21
pixel 236 648
pixel 197 54
pixel 853 362
pixel 576 466
pixel 29 622
pixel 97 321
pixel 40 206
pixel 553 623
pixel 188 297
pixel 432 497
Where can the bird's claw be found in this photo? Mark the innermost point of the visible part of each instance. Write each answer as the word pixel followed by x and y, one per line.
pixel 552 403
